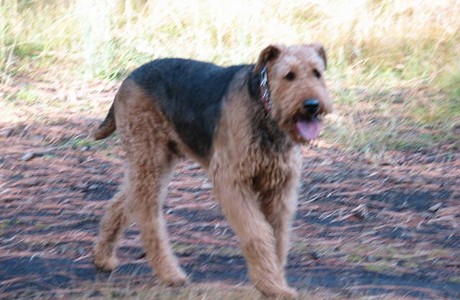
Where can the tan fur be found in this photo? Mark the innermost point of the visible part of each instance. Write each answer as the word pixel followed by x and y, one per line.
pixel 261 221
pixel 256 188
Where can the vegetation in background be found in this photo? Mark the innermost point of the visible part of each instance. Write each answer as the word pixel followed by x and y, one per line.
pixel 394 66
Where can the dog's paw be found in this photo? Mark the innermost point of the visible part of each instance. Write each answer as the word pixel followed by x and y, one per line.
pixel 281 293
pixel 174 279
pixel 106 263
pixel 288 293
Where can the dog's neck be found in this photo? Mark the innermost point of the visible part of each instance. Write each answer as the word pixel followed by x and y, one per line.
pixel 259 88
pixel 270 136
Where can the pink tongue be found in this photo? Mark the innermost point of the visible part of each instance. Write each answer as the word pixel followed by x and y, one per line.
pixel 309 130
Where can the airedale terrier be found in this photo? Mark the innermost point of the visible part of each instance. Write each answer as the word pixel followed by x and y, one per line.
pixel 244 124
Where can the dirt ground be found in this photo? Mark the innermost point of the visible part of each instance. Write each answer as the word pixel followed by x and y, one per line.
pixel 363 227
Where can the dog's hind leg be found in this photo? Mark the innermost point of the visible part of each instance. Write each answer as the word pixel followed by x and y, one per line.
pixel 111 228
pixel 147 138
pixel 145 203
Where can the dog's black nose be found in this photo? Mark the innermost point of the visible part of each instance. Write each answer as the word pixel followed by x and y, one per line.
pixel 311 106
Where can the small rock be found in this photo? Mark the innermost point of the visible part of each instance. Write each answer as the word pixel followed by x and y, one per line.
pixel 403 206
pixel 7 133
pixel 361 212
pixel 93 187
pixel 372 259
pixel 206 186
pixel 95 294
pixel 435 207
pixel 28 156
pixel 193 166
pixel 315 255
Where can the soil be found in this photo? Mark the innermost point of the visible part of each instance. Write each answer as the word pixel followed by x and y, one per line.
pixel 364 227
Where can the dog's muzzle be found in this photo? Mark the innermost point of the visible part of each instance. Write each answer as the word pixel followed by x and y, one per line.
pixel 308 125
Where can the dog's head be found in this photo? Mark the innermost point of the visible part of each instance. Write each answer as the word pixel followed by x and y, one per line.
pixel 295 95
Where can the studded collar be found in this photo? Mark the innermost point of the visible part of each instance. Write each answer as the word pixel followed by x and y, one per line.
pixel 265 90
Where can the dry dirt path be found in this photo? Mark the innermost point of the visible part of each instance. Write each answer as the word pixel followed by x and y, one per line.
pixel 362 228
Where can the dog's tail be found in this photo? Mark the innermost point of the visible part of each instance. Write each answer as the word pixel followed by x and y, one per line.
pixel 107 127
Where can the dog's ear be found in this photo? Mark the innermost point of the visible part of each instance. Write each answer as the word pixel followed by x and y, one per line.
pixel 268 54
pixel 321 52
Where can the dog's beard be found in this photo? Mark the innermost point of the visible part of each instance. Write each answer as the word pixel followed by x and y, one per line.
pixel 309 128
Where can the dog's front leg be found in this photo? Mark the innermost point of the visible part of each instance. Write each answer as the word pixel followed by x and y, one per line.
pixel 279 206
pixel 256 235
pixel 279 211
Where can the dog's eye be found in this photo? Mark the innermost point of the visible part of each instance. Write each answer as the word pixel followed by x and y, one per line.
pixel 290 76
pixel 316 73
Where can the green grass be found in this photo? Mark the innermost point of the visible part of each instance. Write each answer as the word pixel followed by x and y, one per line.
pixel 376 49
pixel 82 142
pixel 25 96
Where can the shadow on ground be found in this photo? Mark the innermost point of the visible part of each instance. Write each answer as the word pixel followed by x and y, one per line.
pixel 362 227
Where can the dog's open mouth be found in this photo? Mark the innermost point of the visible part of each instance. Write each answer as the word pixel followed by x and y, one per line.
pixel 308 127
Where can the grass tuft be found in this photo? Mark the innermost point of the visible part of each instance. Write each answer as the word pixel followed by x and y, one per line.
pixel 382 47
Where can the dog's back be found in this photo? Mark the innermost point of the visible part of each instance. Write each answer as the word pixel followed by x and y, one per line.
pixel 188 92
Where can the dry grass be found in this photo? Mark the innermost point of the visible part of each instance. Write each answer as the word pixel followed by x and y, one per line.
pixel 394 68
pixel 197 291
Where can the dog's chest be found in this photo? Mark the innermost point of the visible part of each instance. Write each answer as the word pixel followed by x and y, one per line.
pixel 274 172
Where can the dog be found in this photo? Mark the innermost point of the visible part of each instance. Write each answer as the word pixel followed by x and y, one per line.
pixel 244 125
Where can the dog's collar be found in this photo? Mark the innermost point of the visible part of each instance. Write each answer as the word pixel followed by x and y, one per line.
pixel 265 90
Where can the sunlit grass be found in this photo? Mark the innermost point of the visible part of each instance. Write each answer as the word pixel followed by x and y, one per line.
pixel 380 46
pixel 409 40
